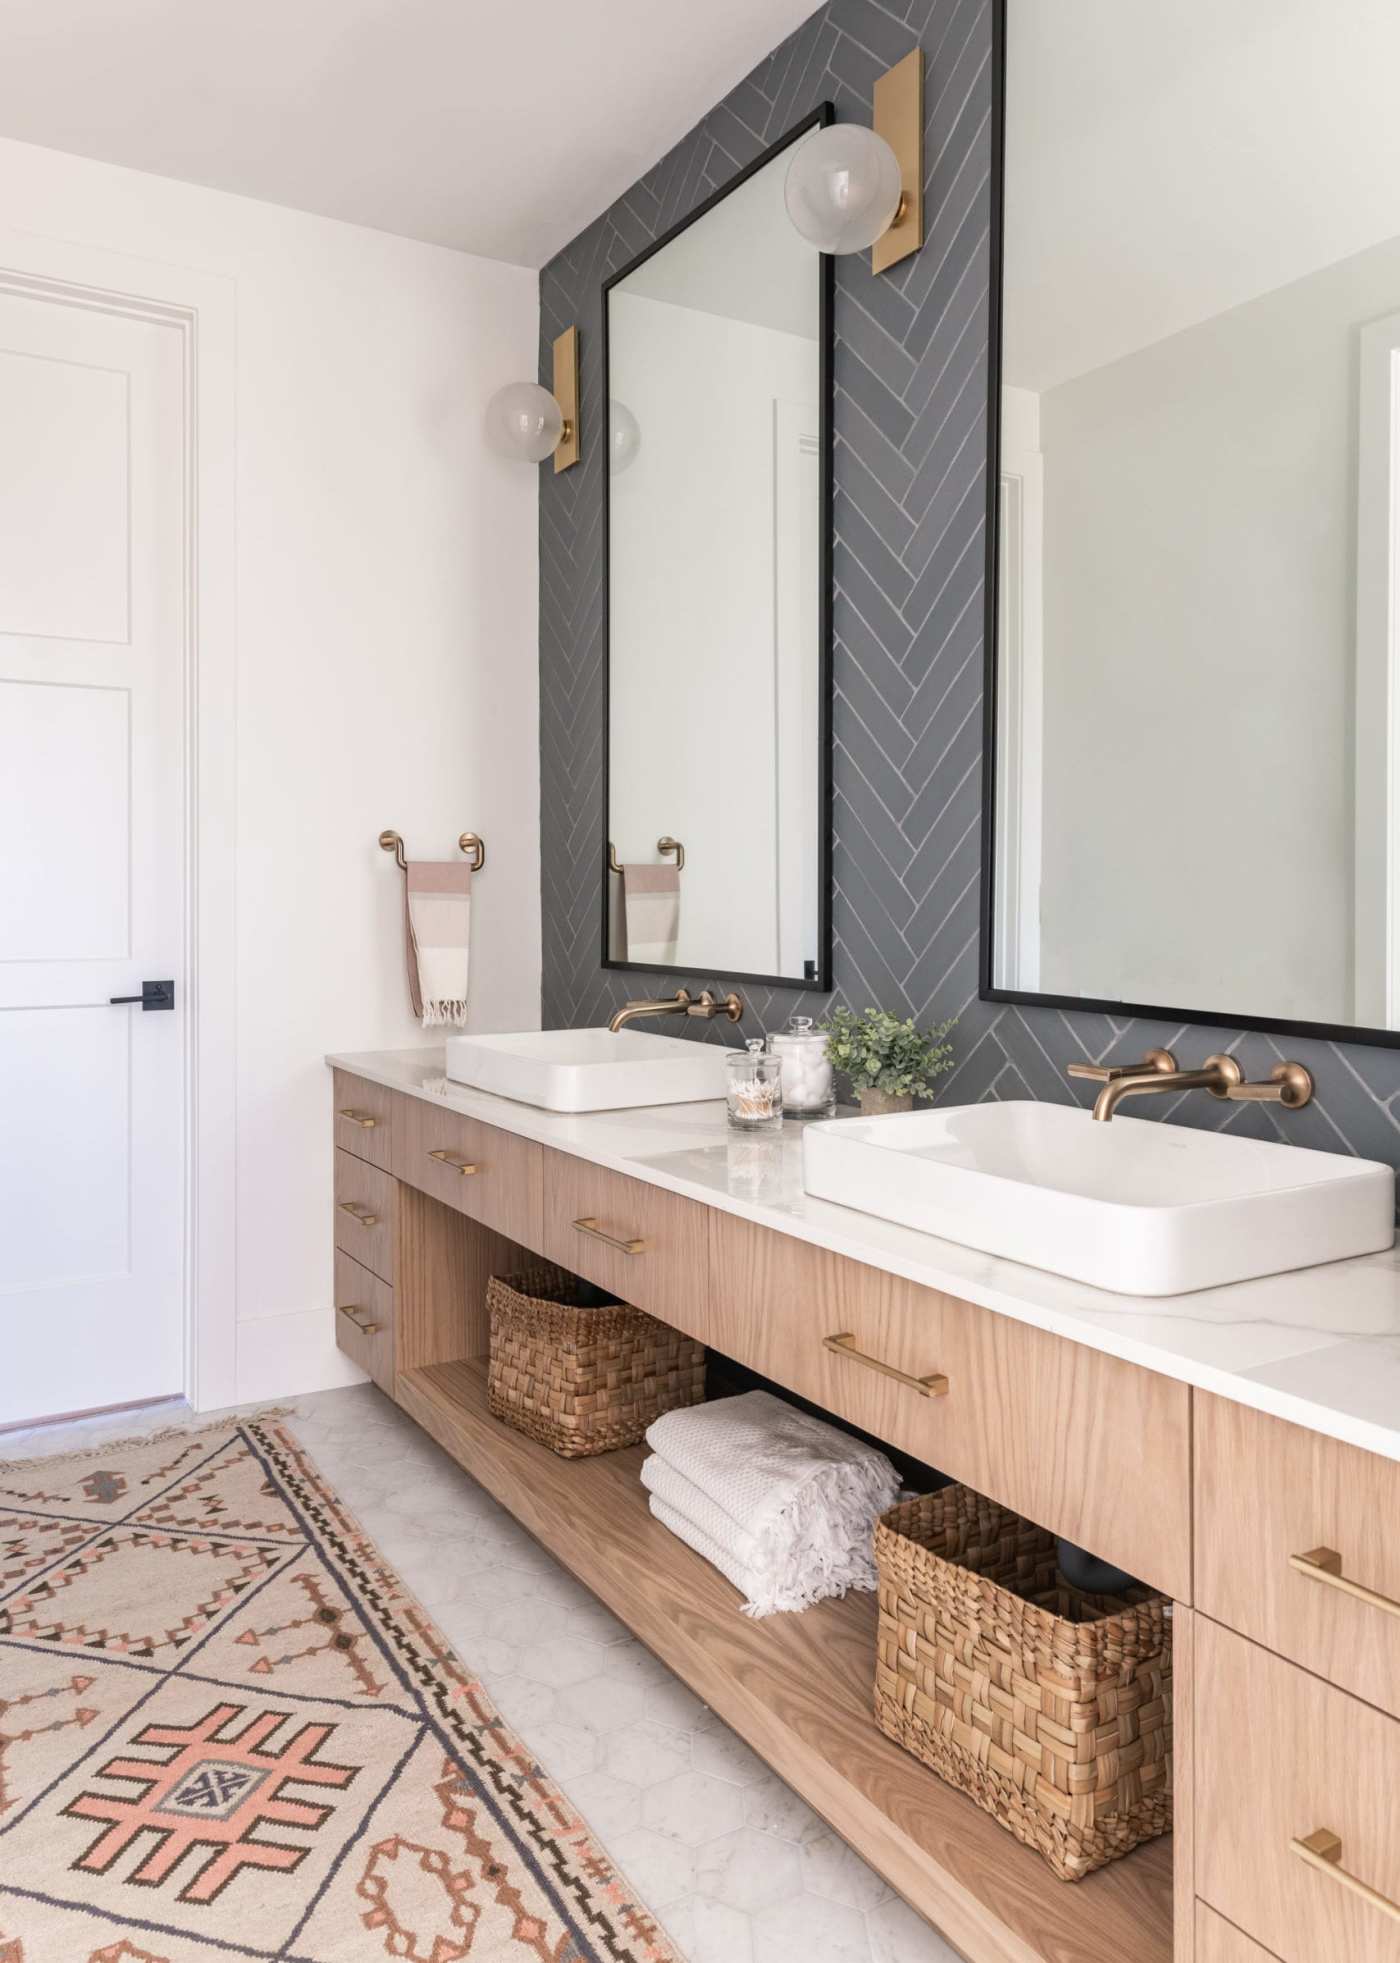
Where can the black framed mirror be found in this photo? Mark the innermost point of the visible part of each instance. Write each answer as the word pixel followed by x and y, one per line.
pixel 1191 799
pixel 717 375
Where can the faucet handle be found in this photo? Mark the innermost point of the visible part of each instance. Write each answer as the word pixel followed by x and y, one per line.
pixel 1100 1073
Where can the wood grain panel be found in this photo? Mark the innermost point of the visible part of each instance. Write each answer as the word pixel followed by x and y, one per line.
pixel 444 1263
pixel 1265 1490
pixel 367 1335
pixel 1219 1941
pixel 364 1118
pixel 504 1191
pixel 1279 1755
pixel 365 1200
pixel 668 1276
pixel 1183 1785
pixel 1089 1446
pixel 799 1689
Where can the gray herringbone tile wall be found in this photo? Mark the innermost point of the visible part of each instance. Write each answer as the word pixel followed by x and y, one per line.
pixel 911 385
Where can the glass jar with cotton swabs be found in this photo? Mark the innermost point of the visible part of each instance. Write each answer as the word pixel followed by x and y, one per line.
pixel 755 1092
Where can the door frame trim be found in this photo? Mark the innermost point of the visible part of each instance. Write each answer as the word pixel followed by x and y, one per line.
pixel 200 307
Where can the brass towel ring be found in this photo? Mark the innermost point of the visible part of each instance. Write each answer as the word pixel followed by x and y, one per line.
pixel 471 842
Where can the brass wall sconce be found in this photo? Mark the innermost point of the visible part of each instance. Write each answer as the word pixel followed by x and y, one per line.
pixel 665 846
pixel 527 423
pixel 849 187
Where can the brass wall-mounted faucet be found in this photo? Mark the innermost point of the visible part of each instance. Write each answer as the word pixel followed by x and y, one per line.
pixel 1289 1083
pixel 682 1003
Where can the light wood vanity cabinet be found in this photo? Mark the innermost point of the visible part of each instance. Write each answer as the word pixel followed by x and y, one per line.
pixel 364 1318
pixel 1280 1756
pixel 364 1119
pixel 482 1171
pixel 1219 1941
pixel 365 1201
pixel 649 1247
pixel 1287 1706
pixel 1268 1492
pixel 1096 1449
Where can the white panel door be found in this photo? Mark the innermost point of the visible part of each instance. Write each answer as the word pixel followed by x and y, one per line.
pixel 92 823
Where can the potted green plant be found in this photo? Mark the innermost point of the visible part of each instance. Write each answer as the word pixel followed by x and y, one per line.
pixel 889 1062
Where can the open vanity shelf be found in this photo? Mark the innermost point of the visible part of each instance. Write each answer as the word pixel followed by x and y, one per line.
pixel 798 1689
pixel 437 1189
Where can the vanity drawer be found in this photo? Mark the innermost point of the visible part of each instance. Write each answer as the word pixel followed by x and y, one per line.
pixel 364 1320
pixel 1281 1756
pixel 364 1214
pixel 364 1115
pixel 649 1247
pixel 1079 1442
pixel 1219 1941
pixel 490 1175
pixel 1266 1492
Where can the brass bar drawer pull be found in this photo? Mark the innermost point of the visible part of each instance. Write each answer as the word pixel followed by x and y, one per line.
pixel 1325 1564
pixel 1323 1850
pixel 365 1328
pixel 360 1213
pixel 590 1226
pixel 845 1345
pixel 456 1161
pixel 366 1120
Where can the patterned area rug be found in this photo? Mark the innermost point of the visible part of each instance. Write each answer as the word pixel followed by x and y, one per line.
pixel 227 1730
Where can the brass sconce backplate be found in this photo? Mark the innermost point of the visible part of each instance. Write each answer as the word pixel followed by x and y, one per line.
pixel 566 451
pixel 899 118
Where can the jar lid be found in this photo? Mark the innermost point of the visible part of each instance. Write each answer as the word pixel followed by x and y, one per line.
pixel 800 1031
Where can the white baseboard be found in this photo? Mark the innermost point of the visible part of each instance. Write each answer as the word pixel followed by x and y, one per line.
pixel 290 1356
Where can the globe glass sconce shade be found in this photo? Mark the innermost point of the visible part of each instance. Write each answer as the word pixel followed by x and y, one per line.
pixel 843 188
pixel 523 422
pixel 624 437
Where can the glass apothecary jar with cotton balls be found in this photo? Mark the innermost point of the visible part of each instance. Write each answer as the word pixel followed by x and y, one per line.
pixel 809 1082
pixel 755 1095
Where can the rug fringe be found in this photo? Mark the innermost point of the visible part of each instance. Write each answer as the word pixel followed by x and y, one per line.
pixel 137 1438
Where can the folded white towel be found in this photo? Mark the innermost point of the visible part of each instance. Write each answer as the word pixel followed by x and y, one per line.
pixel 747 1583
pixel 789 1502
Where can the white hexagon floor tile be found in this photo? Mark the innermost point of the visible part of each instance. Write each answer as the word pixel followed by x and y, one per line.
pixel 739 1869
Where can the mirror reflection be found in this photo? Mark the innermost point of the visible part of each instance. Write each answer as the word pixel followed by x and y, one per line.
pixel 1198 663
pixel 717 612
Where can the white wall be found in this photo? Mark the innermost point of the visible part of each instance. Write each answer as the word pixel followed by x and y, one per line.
pixel 1200 567
pixel 387 666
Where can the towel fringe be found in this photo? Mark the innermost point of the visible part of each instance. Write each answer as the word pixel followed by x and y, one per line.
pixel 435 1013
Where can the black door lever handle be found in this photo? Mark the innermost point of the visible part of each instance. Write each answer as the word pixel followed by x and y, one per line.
pixel 154 995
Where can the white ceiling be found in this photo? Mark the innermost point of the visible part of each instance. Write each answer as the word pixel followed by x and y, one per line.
pixel 1168 159
pixel 494 127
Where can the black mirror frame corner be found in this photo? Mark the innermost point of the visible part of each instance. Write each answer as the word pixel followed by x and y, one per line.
pixel 822 982
pixel 988 989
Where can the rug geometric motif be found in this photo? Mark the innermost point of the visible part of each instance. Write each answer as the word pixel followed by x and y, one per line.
pixel 227 1730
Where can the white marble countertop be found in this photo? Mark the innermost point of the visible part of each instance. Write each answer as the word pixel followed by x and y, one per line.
pixel 1319 1346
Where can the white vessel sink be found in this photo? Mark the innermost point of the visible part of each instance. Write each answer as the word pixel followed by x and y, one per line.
pixel 588 1069
pixel 1133 1205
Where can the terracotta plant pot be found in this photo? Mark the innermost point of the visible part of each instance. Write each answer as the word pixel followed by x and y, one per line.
pixel 880 1104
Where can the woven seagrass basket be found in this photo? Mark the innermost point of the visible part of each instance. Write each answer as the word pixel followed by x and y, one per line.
pixel 1051 1708
pixel 583 1380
